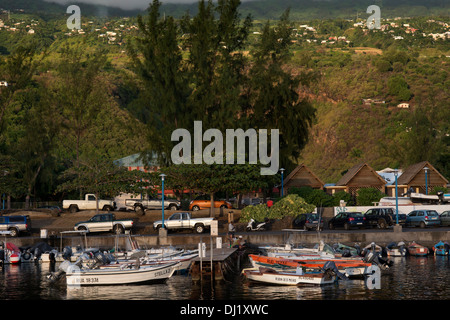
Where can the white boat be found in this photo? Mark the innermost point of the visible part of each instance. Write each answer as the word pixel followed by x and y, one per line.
pixel 320 251
pixel 125 274
pixel 271 276
pixel 396 250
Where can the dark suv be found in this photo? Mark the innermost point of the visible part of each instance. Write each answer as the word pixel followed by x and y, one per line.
pixel 15 224
pixel 383 217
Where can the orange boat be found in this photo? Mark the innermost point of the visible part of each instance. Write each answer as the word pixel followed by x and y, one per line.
pixel 352 267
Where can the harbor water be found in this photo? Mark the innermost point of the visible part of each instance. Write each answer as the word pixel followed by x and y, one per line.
pixel 410 278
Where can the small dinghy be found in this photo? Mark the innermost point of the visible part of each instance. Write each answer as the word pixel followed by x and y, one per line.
pixel 326 275
pixel 415 249
pixel 441 249
pixel 271 276
pixel 396 249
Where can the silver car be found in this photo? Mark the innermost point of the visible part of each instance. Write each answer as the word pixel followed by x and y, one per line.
pixel 445 218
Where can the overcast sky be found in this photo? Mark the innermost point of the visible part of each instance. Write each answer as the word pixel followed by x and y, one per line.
pixel 124 4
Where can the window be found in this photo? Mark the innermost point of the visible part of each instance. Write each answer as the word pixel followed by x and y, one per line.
pixel 413 214
pixel 91 198
pixel 15 219
pixel 2 219
pixel 420 214
pixel 176 216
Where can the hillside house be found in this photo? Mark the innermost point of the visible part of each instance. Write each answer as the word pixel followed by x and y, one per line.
pixel 302 176
pixel 358 177
pixel 414 177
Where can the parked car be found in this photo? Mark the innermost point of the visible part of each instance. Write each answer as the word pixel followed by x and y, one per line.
pixel 15 224
pixel 383 217
pixel 204 202
pixel 89 203
pixel 139 205
pixel 251 201
pixel 308 221
pixel 445 218
pixel 184 220
pixel 105 222
pixel 423 218
pixel 347 220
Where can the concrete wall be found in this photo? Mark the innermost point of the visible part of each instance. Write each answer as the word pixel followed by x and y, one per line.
pixel 427 237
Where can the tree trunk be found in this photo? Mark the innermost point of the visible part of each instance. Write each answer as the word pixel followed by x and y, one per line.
pixel 212 211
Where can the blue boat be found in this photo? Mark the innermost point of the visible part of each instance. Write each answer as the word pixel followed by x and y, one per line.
pixel 441 249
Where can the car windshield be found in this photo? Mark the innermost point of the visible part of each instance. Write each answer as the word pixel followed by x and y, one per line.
pixel 313 217
pixel 432 213
pixel 355 214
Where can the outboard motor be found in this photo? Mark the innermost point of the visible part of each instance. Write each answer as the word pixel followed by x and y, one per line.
pixel 37 254
pixel 373 257
pixel 401 248
pixel 55 276
pixel 67 253
pixel 330 266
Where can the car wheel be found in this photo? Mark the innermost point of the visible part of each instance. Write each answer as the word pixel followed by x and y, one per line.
pixel 195 208
pixel 422 224
pixel 139 210
pixel 382 224
pixel 118 229
pixel 199 228
pixel 73 209
pixel 14 232
pixel 346 226
pixel 330 226
pixel 173 207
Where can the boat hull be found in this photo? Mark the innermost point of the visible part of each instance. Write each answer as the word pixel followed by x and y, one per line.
pixel 288 278
pixel 351 267
pixel 118 276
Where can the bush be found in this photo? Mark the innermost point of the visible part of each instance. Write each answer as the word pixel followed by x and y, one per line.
pixel 258 213
pixel 367 196
pixel 290 205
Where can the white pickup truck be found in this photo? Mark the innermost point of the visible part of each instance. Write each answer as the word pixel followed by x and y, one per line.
pixel 89 203
pixel 139 205
pixel 105 222
pixel 183 220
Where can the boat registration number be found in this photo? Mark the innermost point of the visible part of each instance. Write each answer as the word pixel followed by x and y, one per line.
pixel 86 280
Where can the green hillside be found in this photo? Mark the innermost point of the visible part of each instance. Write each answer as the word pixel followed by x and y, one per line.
pixel 355 78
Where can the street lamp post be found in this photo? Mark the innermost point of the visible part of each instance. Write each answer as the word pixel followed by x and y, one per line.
pixel 162 186
pixel 396 197
pixel 282 182
pixel 426 179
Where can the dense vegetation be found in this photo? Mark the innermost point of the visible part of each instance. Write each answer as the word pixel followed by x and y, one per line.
pixel 73 97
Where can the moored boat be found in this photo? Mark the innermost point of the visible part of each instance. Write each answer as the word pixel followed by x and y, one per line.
pixel 441 249
pixel 272 276
pixel 120 275
pixel 396 249
pixel 415 249
pixel 350 267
